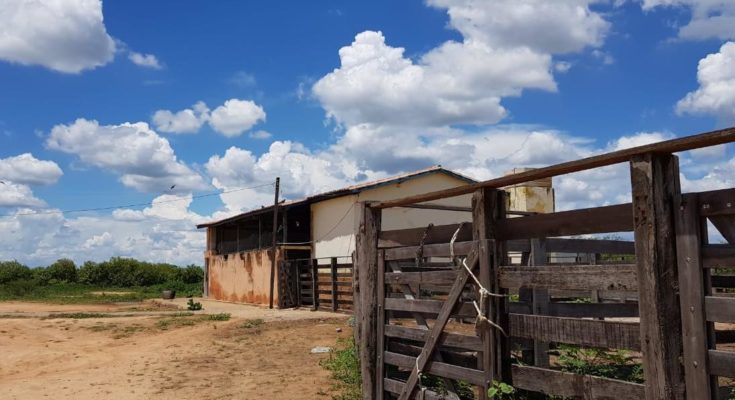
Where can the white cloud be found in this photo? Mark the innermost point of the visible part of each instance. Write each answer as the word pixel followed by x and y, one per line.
pixel 125 214
pixel 231 119
pixel 18 195
pixel 145 60
pixel 235 117
pixel 709 18
pixel 243 79
pixel 26 169
pixel 638 139
pixel 144 159
pixel 104 239
pixel 716 92
pixel 63 35
pixel 188 120
pixel 260 135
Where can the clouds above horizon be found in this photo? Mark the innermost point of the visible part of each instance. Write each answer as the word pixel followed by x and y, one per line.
pixel 710 19
pixel 231 119
pixel 716 93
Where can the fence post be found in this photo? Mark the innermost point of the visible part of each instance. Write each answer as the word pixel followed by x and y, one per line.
pixel 333 270
pixel 655 184
pixel 366 254
pixel 488 205
pixel 690 232
pixel 296 267
pixel 315 283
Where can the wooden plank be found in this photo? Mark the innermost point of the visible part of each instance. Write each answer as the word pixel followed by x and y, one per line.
pixel 366 254
pixel 718 256
pixel 723 281
pixel 574 277
pixel 583 332
pixel 428 306
pixel 593 310
pixel 668 146
pixel 334 282
pixel 589 246
pixel 717 202
pixel 421 278
pixel 379 373
pixel 566 384
pixel 434 368
pixel 722 363
pixel 720 309
pixel 314 284
pixel 429 250
pixel 446 339
pixel 655 184
pixel 691 296
pixel 540 302
pixel 606 219
pixel 395 387
pixel 414 236
pixel 442 354
pixel 438 327
pixel 726 225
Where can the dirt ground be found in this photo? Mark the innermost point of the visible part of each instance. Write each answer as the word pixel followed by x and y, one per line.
pixel 161 357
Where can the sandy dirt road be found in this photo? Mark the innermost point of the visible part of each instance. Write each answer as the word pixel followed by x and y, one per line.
pixel 159 357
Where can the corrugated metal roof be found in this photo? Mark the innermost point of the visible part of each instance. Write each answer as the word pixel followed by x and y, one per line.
pixel 353 189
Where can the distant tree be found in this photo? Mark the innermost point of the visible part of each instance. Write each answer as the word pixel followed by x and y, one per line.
pixel 14 271
pixel 63 270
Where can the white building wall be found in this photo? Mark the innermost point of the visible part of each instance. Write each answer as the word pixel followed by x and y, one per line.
pixel 334 222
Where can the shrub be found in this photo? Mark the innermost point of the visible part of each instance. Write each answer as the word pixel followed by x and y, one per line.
pixel 219 317
pixel 63 270
pixel 344 366
pixel 13 271
pixel 192 306
pixel 192 274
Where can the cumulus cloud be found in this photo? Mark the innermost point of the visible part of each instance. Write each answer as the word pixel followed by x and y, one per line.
pixel 188 120
pixel 66 36
pixel 144 60
pixel 231 119
pixel 716 92
pixel 26 169
pixel 260 135
pixel 235 117
pixel 144 159
pixel 18 195
pixel 709 18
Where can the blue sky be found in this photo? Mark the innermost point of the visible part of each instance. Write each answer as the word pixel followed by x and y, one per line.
pixel 97 104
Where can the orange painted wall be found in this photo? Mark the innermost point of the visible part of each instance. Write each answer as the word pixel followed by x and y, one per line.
pixel 242 277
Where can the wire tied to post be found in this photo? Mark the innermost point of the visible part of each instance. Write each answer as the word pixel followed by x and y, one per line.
pixel 484 294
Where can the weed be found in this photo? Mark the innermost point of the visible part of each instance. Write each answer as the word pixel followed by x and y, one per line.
pixel 252 323
pixel 80 315
pixel 600 362
pixel 219 317
pixel 344 366
pixel 192 306
pixel 501 391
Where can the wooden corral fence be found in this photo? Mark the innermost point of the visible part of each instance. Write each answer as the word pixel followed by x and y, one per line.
pixel 323 283
pixel 417 289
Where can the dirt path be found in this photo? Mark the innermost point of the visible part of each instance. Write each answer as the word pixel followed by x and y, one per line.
pixel 144 358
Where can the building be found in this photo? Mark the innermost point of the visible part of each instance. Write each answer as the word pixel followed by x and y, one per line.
pixel 239 250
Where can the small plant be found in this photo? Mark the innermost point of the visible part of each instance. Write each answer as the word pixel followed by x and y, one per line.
pixel 192 306
pixel 219 317
pixel 501 391
pixel 344 366
pixel 252 323
pixel 600 362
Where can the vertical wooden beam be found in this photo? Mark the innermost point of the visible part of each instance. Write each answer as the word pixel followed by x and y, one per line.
pixel 275 242
pixel 488 205
pixel 379 373
pixel 655 184
pixel 699 383
pixel 333 270
pixel 366 254
pixel 296 266
pixel 315 283
pixel 540 302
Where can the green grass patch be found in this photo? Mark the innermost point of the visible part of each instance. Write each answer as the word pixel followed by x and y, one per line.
pixel 219 317
pixel 76 293
pixel 81 315
pixel 344 366
pixel 615 364
pixel 252 323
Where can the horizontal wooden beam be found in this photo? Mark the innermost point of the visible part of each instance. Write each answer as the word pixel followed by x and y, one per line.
pixel 593 310
pixel 572 277
pixel 618 218
pixel 414 236
pixel 447 339
pixel 436 368
pixel 396 387
pixel 427 306
pixel 718 256
pixel 720 309
pixel 566 384
pixel 669 146
pixel 429 250
pixel 590 246
pixel 722 363
pixel 717 202
pixel 583 332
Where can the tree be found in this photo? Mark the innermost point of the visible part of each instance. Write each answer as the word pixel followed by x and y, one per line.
pixel 63 270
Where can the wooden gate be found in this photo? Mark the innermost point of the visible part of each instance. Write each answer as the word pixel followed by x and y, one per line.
pixel 419 292
pixel 323 283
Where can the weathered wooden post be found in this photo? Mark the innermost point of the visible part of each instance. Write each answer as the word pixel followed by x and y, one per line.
pixel 315 283
pixel 333 274
pixel 655 185
pixel 366 319
pixel 691 233
pixel 488 206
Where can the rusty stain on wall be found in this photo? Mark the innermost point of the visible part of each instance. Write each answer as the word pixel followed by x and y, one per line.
pixel 242 277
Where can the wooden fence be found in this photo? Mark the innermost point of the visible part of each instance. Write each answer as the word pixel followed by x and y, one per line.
pixel 417 289
pixel 323 283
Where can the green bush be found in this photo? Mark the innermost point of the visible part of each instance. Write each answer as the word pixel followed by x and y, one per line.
pixel 63 270
pixel 13 271
pixel 344 366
